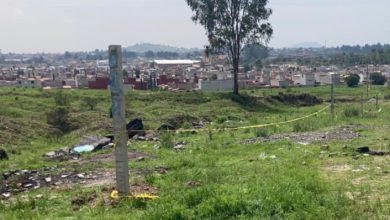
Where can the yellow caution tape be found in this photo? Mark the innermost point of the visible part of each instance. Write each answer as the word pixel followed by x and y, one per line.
pixel 115 195
pixel 243 127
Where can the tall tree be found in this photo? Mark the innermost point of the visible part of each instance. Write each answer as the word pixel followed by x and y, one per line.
pixel 231 25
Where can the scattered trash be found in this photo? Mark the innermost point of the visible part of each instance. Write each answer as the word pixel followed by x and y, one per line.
pixel 179 145
pixel 6 195
pixel 3 155
pixel 305 138
pixel 140 159
pixel 84 149
pixel 362 150
pixel 98 143
pixel 333 154
pixel 62 154
pixel 192 184
pixel 273 157
pixel 263 156
pixel 166 127
pixel 367 152
pixel 135 127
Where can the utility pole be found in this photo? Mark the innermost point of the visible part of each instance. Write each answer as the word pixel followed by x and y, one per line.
pixel 118 113
pixel 361 106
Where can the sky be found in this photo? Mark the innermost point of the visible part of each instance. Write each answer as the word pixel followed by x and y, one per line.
pixel 84 25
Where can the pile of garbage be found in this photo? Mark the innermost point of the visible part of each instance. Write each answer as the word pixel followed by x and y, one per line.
pixel 87 144
pixel 17 181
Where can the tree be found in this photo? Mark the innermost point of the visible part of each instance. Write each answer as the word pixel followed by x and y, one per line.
pixel 352 80
pixel 377 79
pixel 231 25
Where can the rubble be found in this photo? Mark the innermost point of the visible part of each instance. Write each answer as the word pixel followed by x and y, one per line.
pixel 342 133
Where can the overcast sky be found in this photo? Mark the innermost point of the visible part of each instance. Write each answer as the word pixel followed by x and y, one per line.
pixel 78 25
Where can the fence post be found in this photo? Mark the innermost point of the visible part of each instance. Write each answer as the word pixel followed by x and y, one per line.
pixel 361 106
pixel 376 101
pixel 118 113
pixel 332 102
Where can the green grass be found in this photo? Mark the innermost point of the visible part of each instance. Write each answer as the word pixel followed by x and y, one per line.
pixel 232 181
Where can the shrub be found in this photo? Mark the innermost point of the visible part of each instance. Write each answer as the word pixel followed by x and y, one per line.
pixel 351 112
pixel 387 97
pixel 352 80
pixel 166 140
pixel 91 102
pixel 58 117
pixel 377 79
pixel 261 132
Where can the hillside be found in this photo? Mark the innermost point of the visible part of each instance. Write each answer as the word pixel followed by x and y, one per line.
pixel 144 47
pixel 295 164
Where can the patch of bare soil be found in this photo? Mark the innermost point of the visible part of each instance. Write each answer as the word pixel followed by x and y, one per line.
pixel 110 157
pixel 343 133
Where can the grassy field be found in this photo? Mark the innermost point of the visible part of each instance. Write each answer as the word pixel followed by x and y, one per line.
pixel 216 175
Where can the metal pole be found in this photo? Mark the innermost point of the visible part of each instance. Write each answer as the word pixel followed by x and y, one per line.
pixel 118 112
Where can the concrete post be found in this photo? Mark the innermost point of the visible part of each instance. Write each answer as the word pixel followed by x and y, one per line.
pixel 332 102
pixel 118 113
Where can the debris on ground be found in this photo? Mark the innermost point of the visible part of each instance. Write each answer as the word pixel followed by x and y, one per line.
pixel 342 133
pixel 292 99
pixel 193 184
pixel 93 143
pixel 62 154
pixel 135 127
pixel 17 181
pixel 146 137
pixel 3 155
pixel 366 151
pixel 179 145
pixel 87 144
pixel 166 127
pixel 108 157
pixel 84 199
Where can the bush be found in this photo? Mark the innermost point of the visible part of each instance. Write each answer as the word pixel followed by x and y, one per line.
pixel 351 112
pixel 91 102
pixel 352 80
pixel 378 79
pixel 58 117
pixel 387 97
pixel 261 132
pixel 166 140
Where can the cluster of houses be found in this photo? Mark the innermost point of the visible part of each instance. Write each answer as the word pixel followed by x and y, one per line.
pixel 206 74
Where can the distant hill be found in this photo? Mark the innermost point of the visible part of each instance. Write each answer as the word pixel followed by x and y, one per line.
pixel 144 47
pixel 307 45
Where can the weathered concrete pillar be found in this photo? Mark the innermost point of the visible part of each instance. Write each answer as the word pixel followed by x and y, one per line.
pixel 118 113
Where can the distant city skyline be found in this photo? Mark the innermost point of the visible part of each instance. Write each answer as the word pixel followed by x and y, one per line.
pixel 84 25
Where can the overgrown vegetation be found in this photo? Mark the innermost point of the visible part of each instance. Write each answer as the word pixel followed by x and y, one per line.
pixel 214 176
